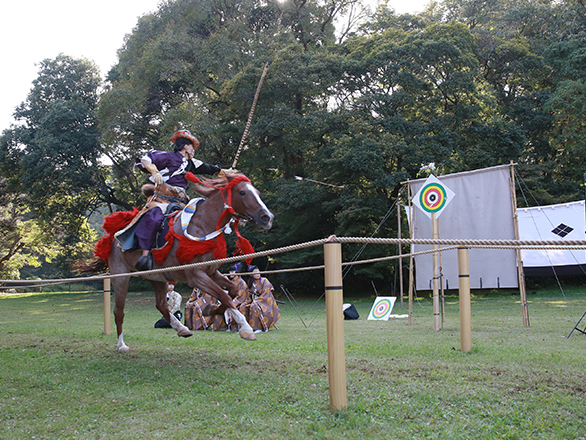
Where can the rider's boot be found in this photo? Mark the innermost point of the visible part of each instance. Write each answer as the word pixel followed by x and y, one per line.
pixel 145 262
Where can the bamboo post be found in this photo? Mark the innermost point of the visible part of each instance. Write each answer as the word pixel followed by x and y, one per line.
pixel 400 254
pixel 411 254
pixel 435 255
pixel 335 324
pixel 107 306
pixel 520 271
pixel 464 293
pixel 441 278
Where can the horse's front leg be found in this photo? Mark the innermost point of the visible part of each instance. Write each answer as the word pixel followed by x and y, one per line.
pixel 161 304
pixel 179 328
pixel 245 330
pixel 225 284
pixel 120 286
pixel 217 285
pixel 229 287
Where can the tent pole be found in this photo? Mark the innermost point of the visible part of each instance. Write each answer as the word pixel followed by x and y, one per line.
pixel 441 278
pixel 400 253
pixel 520 272
pixel 411 252
pixel 435 255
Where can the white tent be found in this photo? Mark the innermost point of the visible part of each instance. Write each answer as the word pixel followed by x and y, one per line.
pixel 565 221
pixel 481 209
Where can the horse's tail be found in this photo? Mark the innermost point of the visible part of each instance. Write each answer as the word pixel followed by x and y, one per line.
pixel 94 266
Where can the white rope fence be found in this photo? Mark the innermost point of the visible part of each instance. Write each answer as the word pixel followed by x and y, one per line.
pixel 450 244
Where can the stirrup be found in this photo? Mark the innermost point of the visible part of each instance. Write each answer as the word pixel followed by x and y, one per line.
pixel 145 262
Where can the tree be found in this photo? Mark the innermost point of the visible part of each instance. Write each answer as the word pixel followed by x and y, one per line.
pixel 525 51
pixel 52 155
pixel 22 240
pixel 196 64
pixel 566 106
pixel 463 85
pixel 366 114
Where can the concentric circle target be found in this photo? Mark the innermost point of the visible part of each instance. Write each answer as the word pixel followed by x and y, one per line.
pixel 433 197
pixel 382 308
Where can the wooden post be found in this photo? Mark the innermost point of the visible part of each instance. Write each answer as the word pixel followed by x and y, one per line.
pixel 412 217
pixel 410 292
pixel 464 285
pixel 435 255
pixel 400 253
pixel 520 271
pixel 335 324
pixel 441 278
pixel 107 306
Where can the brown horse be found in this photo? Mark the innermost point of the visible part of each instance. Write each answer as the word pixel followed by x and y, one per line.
pixel 227 198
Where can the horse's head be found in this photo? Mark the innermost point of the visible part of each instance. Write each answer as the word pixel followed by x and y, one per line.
pixel 240 195
pixel 247 203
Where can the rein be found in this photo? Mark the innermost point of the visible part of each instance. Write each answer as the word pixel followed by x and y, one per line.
pixel 228 209
pixel 171 199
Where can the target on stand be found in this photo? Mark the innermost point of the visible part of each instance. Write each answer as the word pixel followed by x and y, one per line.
pixel 433 197
pixel 382 308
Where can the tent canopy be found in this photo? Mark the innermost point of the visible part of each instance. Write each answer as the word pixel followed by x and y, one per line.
pixel 481 209
pixel 565 221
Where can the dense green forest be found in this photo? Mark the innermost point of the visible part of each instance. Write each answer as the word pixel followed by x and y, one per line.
pixel 354 98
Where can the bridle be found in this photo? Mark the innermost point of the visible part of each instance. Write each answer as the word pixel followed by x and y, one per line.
pixel 226 193
pixel 224 190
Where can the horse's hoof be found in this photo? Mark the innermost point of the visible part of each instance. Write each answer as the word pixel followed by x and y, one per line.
pixel 123 349
pixel 206 310
pixel 249 336
pixel 184 333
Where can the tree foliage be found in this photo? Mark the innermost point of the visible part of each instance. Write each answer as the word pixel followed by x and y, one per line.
pixel 463 85
pixel 22 241
pixel 51 157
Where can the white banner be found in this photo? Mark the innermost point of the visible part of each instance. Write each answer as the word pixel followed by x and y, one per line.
pixel 552 222
pixel 481 210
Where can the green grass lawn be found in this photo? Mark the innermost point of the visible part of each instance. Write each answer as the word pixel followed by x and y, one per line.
pixel 61 377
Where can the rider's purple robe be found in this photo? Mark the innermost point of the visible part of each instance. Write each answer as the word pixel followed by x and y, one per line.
pixel 172 165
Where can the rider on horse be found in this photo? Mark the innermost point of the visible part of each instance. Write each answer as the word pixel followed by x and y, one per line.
pixel 167 167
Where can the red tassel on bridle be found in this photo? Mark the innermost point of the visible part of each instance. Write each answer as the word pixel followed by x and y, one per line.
pixel 243 246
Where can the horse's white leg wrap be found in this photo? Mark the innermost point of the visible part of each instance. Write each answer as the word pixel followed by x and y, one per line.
pixel 121 346
pixel 179 328
pixel 245 330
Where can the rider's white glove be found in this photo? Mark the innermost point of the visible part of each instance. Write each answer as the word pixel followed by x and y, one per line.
pixel 151 168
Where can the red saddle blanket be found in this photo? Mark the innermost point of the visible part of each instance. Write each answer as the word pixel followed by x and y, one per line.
pixel 186 251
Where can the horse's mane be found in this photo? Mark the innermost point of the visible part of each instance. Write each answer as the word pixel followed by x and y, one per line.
pixel 214 184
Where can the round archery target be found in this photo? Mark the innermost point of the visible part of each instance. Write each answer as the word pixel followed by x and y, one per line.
pixel 433 197
pixel 381 309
